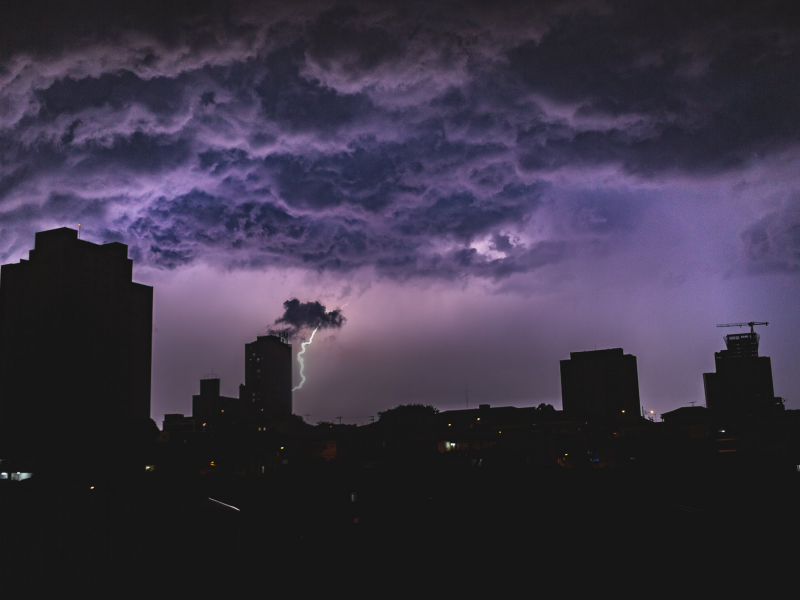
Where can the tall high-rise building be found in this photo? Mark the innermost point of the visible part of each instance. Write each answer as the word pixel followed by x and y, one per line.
pixel 600 383
pixel 75 350
pixel 742 383
pixel 268 376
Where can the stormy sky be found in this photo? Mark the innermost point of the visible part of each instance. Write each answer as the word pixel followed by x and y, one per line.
pixel 487 186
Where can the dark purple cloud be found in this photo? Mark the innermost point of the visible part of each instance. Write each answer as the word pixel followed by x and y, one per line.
pixel 371 135
pixel 302 316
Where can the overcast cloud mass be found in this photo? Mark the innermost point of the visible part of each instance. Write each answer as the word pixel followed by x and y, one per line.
pixel 493 184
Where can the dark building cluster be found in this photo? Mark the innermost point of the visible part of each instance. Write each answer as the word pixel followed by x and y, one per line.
pixel 75 359
pixel 264 398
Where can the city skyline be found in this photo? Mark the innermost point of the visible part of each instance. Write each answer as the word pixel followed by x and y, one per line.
pixel 485 189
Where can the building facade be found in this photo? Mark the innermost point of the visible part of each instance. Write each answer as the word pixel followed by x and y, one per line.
pixel 267 387
pixel 742 383
pixel 75 348
pixel 600 383
pixel 210 409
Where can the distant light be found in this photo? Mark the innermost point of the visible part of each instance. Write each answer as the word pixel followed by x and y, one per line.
pixel 91 487
pixel 204 424
pixel 449 424
pixel 479 418
pixel 223 410
pixel 565 454
pixel 622 411
pixel 213 464
pixel 652 412
pixel 281 447
pixel 500 431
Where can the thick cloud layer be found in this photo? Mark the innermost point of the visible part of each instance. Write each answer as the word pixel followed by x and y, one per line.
pixel 301 316
pixel 393 137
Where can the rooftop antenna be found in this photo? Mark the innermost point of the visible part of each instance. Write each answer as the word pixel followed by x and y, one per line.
pixel 692 402
pixel 466 394
pixel 79 231
pixel 340 420
pixel 306 415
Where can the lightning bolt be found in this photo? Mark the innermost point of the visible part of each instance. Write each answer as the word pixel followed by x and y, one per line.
pixel 302 361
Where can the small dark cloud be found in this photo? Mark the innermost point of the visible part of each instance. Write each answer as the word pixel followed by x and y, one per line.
pixel 337 37
pixel 305 316
pixel 502 243
pixel 69 134
pixel 773 243
pixel 463 216
pixel 207 98
pixel 139 152
pixel 160 95
pixel 298 103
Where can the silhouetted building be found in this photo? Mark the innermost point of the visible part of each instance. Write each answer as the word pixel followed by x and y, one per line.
pixel 267 384
pixel 75 349
pixel 209 408
pixel 600 383
pixel 742 383
pixel 178 422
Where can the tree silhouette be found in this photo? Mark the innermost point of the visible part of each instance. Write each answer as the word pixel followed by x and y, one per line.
pixel 407 413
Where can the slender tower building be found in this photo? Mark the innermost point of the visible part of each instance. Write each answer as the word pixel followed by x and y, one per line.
pixel 268 377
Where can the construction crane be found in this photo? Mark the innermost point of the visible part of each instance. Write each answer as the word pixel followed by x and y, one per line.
pixel 750 324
